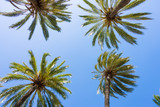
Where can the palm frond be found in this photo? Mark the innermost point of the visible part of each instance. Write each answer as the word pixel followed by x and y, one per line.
pixel 114 41
pixel 133 30
pixel 88 10
pixel 126 81
pixel 122 86
pixel 134 15
pixel 33 62
pixel 12 90
pixel 12 14
pixel 52 64
pixel 58 90
pixel 44 28
pixel 99 30
pixel 44 63
pixel 21 22
pixel 41 99
pixel 53 22
pixel 134 25
pixel 53 98
pixel 133 4
pixel 22 69
pixel 10 77
pixel 57 71
pixel 32 99
pixel 93 7
pixel 32 27
pixel 157 99
pixel 92 30
pixel 125 35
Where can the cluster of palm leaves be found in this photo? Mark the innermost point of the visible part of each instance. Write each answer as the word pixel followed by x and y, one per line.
pixel 113 67
pixel 46 11
pixel 109 19
pixel 114 75
pixel 43 83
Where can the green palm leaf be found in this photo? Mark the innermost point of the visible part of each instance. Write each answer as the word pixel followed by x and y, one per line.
pixel 44 28
pixel 157 99
pixel 11 14
pixel 21 22
pixel 32 27
pixel 133 4
pixel 125 35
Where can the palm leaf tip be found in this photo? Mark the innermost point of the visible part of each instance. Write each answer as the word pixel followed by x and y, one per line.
pixel 11 14
pixel 156 99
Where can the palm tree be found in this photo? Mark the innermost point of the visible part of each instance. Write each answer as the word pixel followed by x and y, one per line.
pixel 114 75
pixel 157 99
pixel 47 11
pixel 44 84
pixel 108 21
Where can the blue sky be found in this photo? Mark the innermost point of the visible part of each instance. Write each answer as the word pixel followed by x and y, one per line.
pixel 81 56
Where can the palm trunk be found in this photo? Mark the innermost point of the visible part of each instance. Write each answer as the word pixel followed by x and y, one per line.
pixel 119 6
pixel 107 92
pixel 22 100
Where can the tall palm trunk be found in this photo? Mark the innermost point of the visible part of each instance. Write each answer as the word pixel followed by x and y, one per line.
pixel 107 92
pixel 22 100
pixel 119 6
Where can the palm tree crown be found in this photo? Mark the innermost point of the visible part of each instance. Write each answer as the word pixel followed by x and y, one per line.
pixel 157 99
pixel 47 11
pixel 113 67
pixel 44 84
pixel 109 18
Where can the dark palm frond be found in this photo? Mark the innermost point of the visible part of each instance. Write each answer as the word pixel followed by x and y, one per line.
pixel 12 14
pixel 113 67
pixel 46 84
pixel 21 22
pixel 44 28
pixel 47 11
pixel 133 4
pixel 32 27
pixel 125 35
pixel 113 23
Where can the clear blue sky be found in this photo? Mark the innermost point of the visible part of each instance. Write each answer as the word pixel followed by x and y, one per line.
pixel 79 54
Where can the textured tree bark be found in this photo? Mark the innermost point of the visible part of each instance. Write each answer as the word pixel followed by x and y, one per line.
pixel 107 93
pixel 119 6
pixel 21 101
